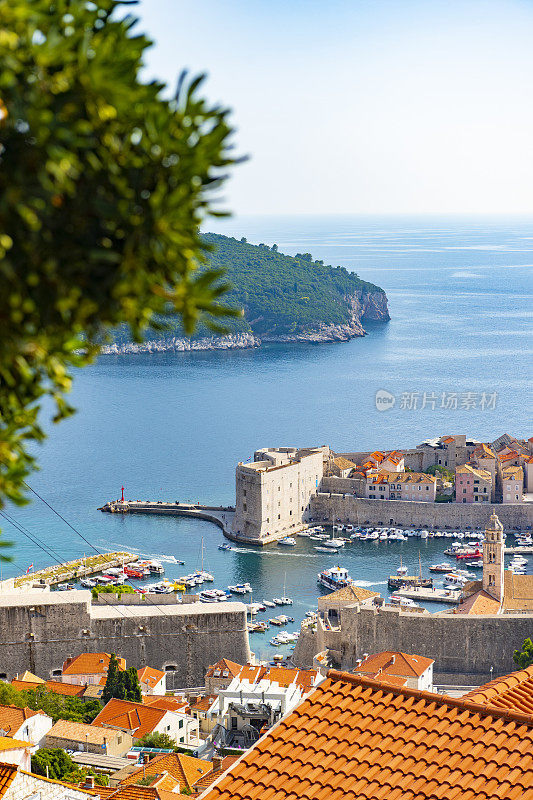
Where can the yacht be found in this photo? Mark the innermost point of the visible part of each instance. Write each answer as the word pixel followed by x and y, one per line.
pixel 444 567
pixel 334 578
pixel 269 604
pixel 398 600
pixel 208 596
pixel 288 541
pixel 333 544
pixel 240 588
pixel 285 601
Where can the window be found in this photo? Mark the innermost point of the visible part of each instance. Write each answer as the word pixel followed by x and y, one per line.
pixel 234 723
pixel 244 493
pixel 279 516
pixel 180 724
pixel 168 727
pixel 244 506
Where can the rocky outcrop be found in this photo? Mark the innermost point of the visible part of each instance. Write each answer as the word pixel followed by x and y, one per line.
pixel 364 306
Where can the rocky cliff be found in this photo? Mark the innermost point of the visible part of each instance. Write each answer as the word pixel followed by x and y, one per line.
pixel 283 298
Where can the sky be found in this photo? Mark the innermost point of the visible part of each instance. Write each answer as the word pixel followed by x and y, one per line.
pixel 363 106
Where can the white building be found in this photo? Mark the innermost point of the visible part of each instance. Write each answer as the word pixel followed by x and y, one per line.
pixel 139 720
pixel 17 783
pixel 24 724
pixel 512 484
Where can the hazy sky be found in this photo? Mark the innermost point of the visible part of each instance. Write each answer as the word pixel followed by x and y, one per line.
pixel 363 105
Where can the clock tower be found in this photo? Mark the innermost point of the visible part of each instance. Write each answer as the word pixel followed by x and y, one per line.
pixel 493 561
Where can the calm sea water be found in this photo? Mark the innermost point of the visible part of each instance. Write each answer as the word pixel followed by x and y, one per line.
pixel 173 426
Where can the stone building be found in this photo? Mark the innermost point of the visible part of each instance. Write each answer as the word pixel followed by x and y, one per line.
pixel 512 485
pixel 88 738
pixel 273 492
pixel 472 485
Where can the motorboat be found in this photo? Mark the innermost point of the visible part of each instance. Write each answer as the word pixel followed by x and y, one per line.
pixel 269 604
pixel 334 578
pixel 398 600
pixel 478 564
pixel 304 533
pixel 285 601
pixel 206 576
pixel 240 588
pixel 287 541
pixel 333 544
pixel 444 567
pixel 88 583
pixel 454 579
pixel 208 596
pixel 322 549
pixel 225 546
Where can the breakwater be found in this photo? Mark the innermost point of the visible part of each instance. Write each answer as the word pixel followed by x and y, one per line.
pixel 71 570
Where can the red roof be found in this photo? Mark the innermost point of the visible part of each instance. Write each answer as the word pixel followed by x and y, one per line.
pixel 357 739
pixel 135 717
pixel 392 662
pixel 514 691
pixel 90 664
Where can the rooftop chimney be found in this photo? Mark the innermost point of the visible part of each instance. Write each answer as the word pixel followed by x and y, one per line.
pixel 89 782
pixel 217 762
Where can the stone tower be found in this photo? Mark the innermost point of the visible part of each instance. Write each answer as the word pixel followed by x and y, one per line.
pixel 493 549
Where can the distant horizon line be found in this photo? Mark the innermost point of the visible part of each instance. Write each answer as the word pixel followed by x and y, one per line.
pixel 462 214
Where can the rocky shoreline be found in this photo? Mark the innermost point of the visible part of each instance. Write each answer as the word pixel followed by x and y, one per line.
pixel 372 307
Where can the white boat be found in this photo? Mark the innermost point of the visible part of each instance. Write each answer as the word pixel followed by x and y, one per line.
pixel 240 588
pixel 323 549
pixel 277 601
pixel 208 596
pixel 304 533
pixel 288 541
pixel 401 569
pixel 334 578
pixel 454 579
pixel 334 544
pixel 269 604
pixel 424 534
pixel 398 600
pixel 286 601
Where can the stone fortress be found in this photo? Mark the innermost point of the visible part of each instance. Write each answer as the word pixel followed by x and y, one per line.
pixel 470 643
pixel 284 489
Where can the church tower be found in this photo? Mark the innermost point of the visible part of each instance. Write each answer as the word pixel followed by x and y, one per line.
pixel 493 548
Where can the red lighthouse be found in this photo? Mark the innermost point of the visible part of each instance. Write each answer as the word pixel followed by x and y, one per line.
pixel 122 498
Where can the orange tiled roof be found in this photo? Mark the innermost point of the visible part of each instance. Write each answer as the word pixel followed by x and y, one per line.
pixel 508 456
pixel 150 676
pixel 357 739
pixel 483 451
pixel 7 776
pixel 212 776
pixel 517 592
pixel 480 602
pixel 224 665
pixel 351 593
pixel 7 743
pixel 135 717
pixel 393 662
pixel 447 439
pixel 394 457
pixel 514 473
pixel 377 455
pixel 12 717
pixel 164 702
pixel 90 664
pixel 514 691
pixel 304 678
pixel 252 674
pixel 185 769
pixel 69 689
pixel 134 793
pixel 81 732
pixel 468 469
pixel 204 703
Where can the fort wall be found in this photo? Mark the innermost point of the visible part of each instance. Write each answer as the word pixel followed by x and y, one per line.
pixel 39 630
pixel 328 507
pixel 465 648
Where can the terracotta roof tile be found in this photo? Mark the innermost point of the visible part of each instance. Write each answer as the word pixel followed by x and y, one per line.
pixel 394 663
pixel 7 776
pixel 185 769
pixel 135 717
pixel 480 602
pixel 90 664
pixel 204 703
pixel 150 676
pixel 343 463
pixel 351 593
pixel 514 691
pixel 8 743
pixel 517 592
pixel 80 732
pixel 357 739
pixel 224 665
pixel 12 717
pixel 164 702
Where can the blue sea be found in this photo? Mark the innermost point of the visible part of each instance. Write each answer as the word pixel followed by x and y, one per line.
pixel 456 357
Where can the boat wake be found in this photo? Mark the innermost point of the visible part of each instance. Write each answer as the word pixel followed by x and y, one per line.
pixel 163 558
pixel 274 553
pixel 364 584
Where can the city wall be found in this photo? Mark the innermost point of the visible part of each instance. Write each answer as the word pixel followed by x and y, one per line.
pixel 464 647
pixel 39 630
pixel 328 507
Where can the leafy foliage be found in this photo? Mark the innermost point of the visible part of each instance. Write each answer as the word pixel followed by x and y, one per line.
pixel 111 589
pixel 103 186
pixel 57 706
pixel 122 684
pixel 524 658
pixel 62 768
pixel 445 473
pixel 159 740
pixel 280 294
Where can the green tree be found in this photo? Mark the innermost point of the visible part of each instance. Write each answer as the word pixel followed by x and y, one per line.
pixel 103 186
pixel 132 687
pixel 524 658
pixel 113 685
pixel 59 763
pixel 161 740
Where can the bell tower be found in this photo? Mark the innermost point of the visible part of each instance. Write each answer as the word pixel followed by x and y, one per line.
pixel 493 561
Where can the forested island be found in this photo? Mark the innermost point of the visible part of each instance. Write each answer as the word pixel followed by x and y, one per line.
pixel 283 299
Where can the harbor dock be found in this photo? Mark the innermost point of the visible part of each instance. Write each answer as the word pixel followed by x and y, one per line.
pixel 423 594
pixel 74 570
